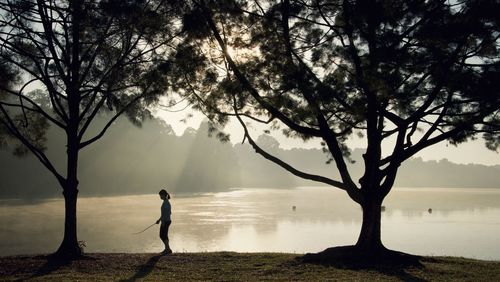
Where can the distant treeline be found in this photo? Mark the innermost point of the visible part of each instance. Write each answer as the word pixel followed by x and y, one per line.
pixel 131 160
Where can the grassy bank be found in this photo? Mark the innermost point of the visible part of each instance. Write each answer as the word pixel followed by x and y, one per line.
pixel 233 266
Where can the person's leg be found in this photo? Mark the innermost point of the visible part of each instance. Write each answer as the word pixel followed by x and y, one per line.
pixel 166 241
pixel 163 235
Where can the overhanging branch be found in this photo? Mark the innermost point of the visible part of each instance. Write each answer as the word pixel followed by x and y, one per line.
pixel 248 85
pixel 9 124
pixel 353 193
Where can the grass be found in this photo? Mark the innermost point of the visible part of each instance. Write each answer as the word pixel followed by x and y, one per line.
pixel 227 266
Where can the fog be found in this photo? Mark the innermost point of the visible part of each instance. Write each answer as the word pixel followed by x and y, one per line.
pixel 132 160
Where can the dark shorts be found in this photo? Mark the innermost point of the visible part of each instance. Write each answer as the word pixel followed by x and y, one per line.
pixel 164 230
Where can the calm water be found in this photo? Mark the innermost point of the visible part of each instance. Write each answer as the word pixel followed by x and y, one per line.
pixel 463 222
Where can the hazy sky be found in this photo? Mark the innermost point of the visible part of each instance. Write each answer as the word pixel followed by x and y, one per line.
pixel 471 152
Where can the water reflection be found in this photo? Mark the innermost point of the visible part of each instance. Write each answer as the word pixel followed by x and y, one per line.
pixel 462 223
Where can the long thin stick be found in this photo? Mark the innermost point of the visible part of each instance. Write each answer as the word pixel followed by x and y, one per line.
pixel 145 229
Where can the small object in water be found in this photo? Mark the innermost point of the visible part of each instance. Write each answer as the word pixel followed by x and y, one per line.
pixel 294 208
pixel 429 210
pixel 382 208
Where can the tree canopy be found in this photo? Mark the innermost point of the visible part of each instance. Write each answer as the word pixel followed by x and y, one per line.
pixel 68 61
pixel 405 73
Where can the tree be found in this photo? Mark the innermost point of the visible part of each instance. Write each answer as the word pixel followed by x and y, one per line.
pixel 406 74
pixel 84 58
pixel 6 79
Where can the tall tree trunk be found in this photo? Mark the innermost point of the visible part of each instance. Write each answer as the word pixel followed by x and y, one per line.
pixel 69 247
pixel 370 236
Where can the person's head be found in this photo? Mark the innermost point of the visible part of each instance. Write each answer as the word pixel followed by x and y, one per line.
pixel 164 194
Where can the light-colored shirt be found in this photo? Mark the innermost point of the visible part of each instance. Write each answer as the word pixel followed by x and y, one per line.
pixel 166 211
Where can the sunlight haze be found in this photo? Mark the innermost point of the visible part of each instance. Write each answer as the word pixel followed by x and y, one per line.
pixel 466 153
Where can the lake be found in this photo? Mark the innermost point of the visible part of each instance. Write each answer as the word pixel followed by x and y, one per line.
pixel 463 222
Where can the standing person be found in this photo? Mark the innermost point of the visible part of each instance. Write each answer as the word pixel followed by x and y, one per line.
pixel 165 219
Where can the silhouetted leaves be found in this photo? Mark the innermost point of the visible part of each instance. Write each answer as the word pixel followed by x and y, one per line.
pixel 89 57
pixel 406 73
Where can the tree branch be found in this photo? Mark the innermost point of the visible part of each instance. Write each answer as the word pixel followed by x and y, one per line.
pixel 355 195
pixel 9 124
pixel 248 86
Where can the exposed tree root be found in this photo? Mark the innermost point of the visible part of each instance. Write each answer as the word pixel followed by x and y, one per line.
pixel 356 257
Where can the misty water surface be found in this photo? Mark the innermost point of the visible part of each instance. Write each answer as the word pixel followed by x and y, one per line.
pixel 463 222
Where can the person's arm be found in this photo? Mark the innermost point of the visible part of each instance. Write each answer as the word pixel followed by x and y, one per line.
pixel 161 215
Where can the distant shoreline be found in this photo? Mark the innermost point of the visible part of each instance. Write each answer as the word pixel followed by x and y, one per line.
pixel 198 194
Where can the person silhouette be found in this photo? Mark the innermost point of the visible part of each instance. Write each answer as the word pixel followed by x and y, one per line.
pixel 165 220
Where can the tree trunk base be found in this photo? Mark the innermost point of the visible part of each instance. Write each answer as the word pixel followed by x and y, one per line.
pixel 68 252
pixel 358 257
